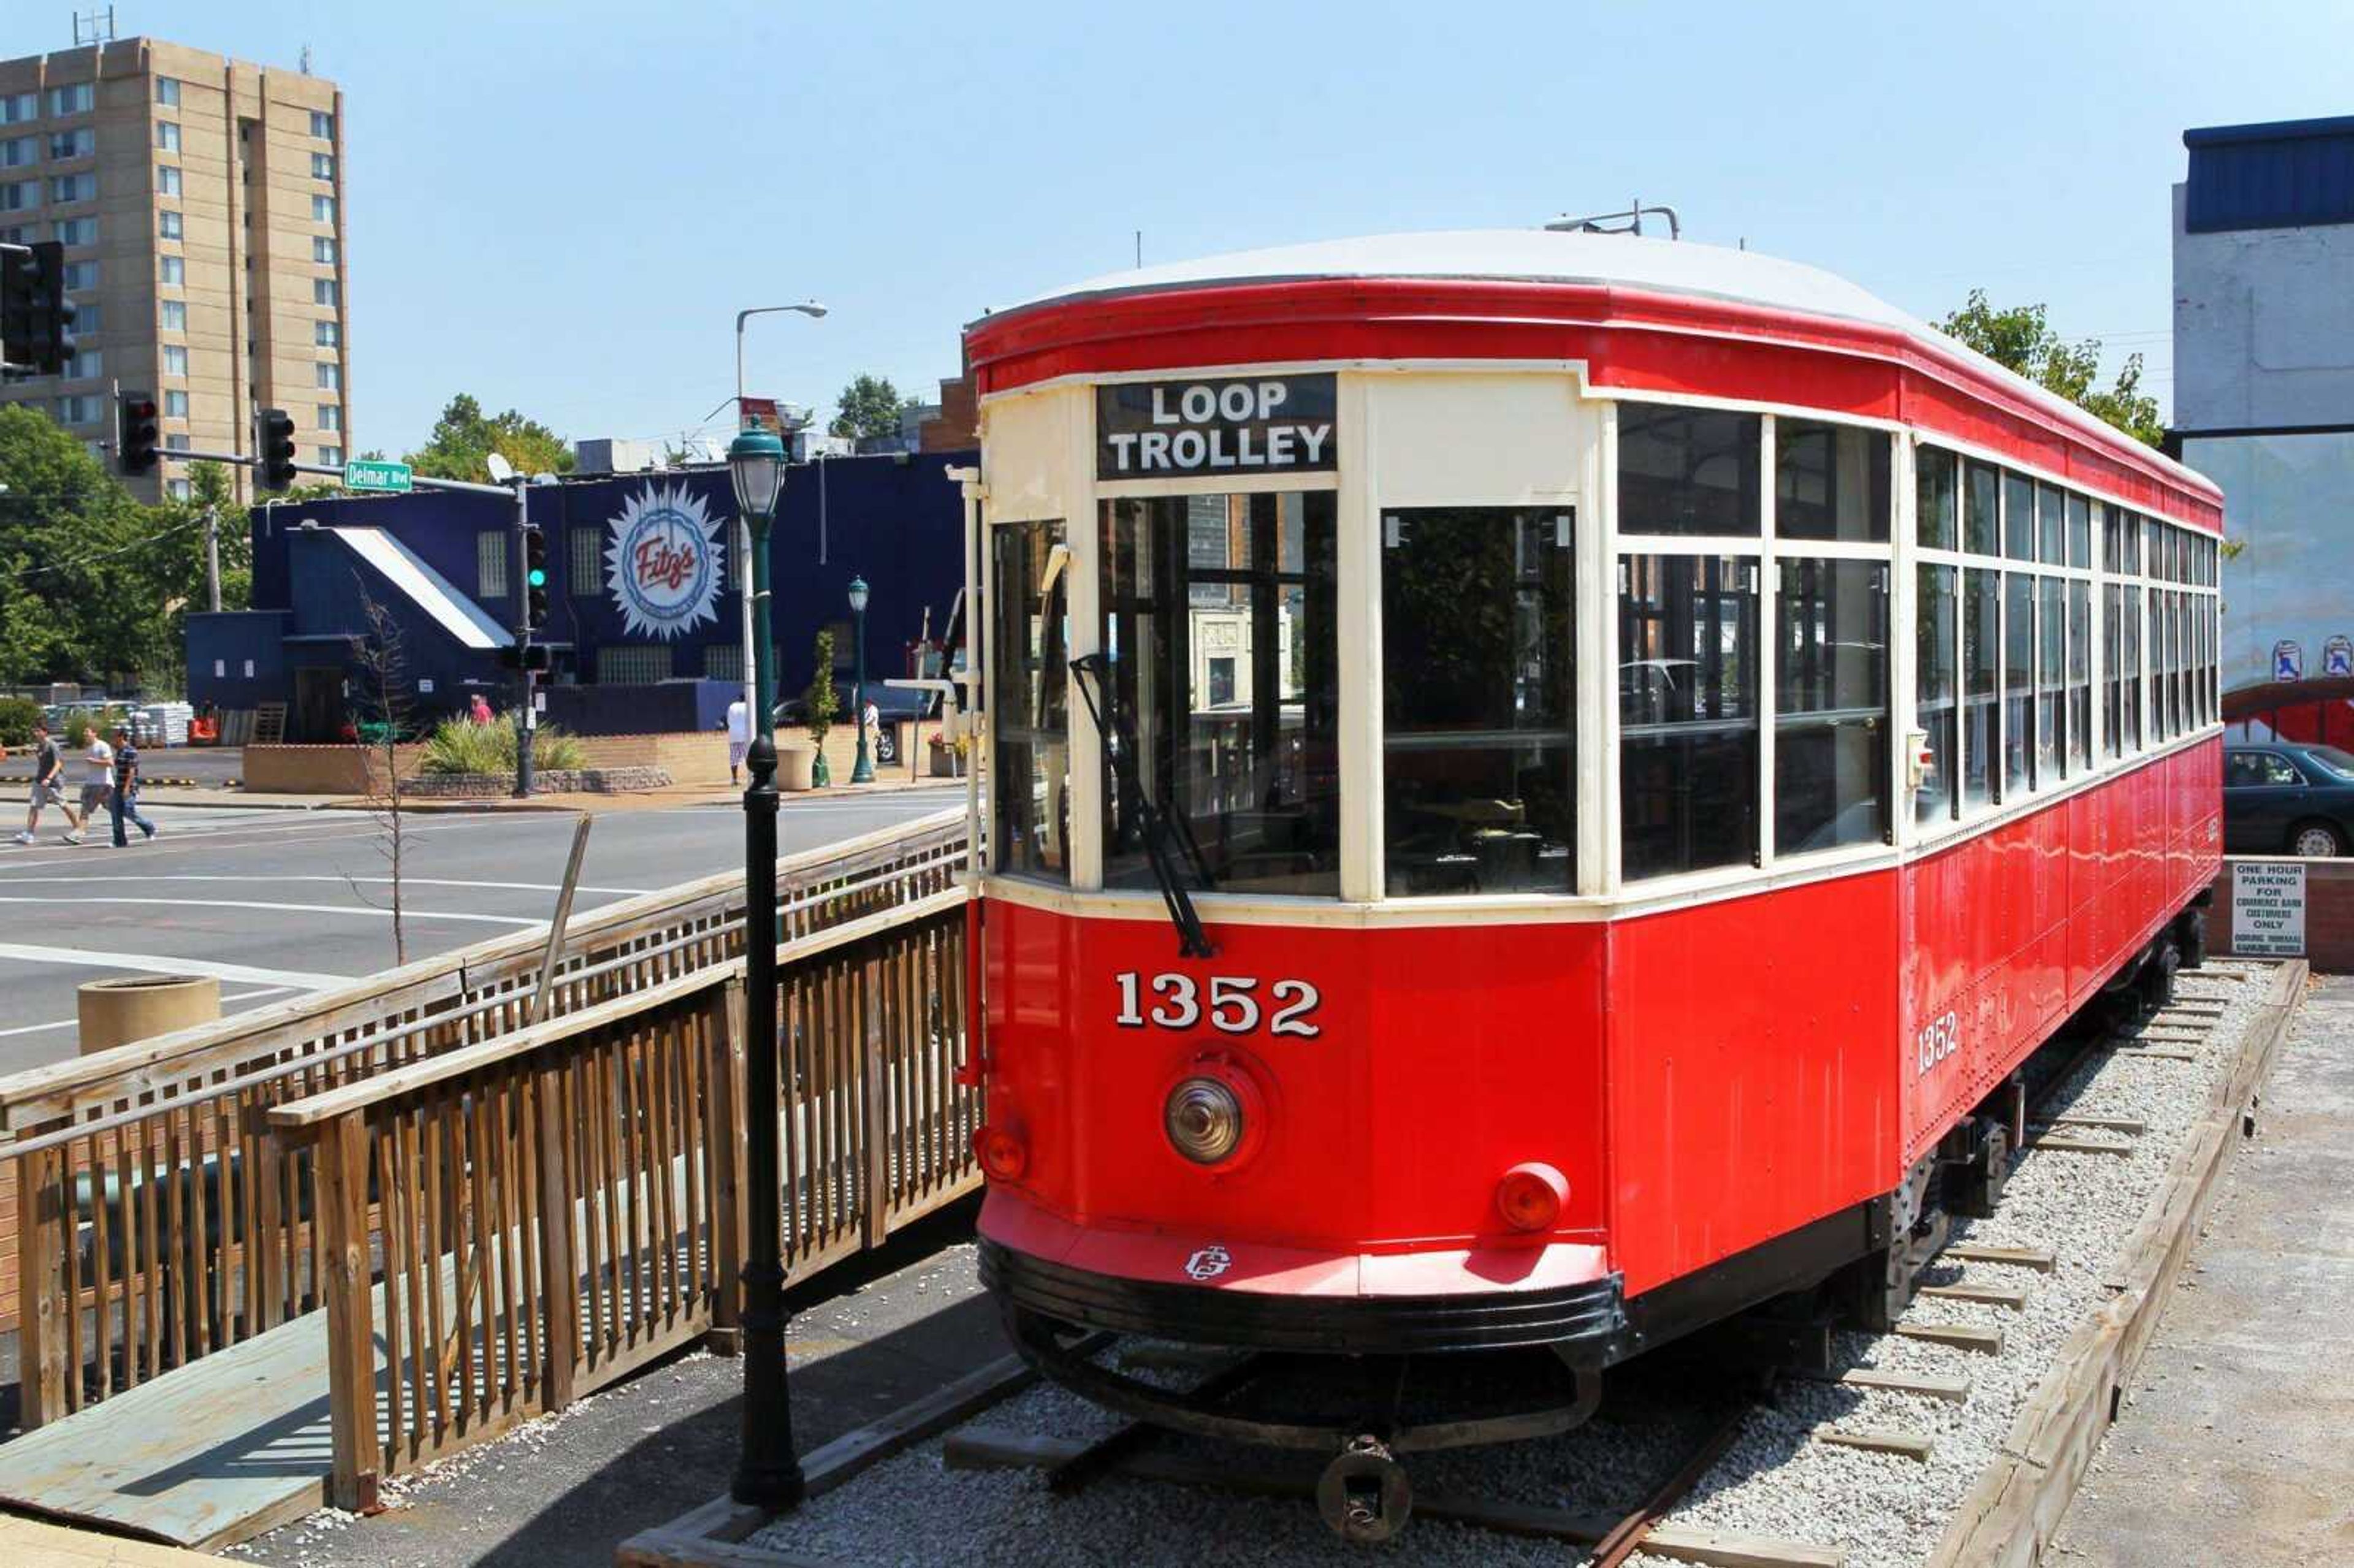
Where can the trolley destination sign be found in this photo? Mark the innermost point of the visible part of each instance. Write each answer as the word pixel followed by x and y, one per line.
pixel 1251 424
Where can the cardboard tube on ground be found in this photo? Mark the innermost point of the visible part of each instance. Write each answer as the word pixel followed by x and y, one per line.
pixel 139 1007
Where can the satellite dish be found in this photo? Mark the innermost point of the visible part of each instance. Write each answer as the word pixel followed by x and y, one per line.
pixel 501 470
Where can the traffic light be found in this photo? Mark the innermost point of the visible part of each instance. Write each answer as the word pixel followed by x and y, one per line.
pixel 134 432
pixel 273 444
pixel 535 577
pixel 37 320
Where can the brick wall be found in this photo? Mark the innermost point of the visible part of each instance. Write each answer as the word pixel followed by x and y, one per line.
pixel 316 769
pixel 2328 913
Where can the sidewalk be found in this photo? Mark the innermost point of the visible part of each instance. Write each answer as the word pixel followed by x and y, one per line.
pixel 671 798
pixel 2233 1446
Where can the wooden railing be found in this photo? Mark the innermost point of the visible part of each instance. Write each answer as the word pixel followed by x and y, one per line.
pixel 515 1222
pixel 149 1214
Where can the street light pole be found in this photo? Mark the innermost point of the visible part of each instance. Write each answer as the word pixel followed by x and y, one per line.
pixel 862 771
pixel 767 1472
pixel 813 310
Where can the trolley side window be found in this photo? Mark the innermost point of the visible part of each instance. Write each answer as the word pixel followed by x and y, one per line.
pixel 1030 649
pixel 1830 481
pixel 1830 704
pixel 1688 714
pixel 1223 657
pixel 2018 684
pixel 1688 471
pixel 1981 605
pixel 1478 764
pixel 2080 677
pixel 1934 693
pixel 2050 670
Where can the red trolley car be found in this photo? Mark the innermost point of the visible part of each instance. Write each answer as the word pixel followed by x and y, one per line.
pixel 1541 789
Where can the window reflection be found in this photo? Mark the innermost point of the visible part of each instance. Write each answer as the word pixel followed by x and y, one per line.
pixel 1218 630
pixel 1478 745
pixel 1687 713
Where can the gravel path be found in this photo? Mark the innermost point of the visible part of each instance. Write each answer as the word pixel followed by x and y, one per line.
pixel 1886 1511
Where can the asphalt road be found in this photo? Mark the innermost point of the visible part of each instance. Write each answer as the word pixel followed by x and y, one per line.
pixel 211 767
pixel 274 901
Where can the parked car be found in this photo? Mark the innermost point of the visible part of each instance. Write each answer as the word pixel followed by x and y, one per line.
pixel 2286 798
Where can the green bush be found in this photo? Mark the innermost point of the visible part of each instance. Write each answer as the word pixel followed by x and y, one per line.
pixel 462 745
pixel 79 726
pixel 18 715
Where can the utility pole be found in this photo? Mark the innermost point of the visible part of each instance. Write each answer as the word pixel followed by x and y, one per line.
pixel 212 555
pixel 526 714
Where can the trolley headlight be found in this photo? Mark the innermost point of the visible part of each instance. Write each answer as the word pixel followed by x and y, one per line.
pixel 1002 1153
pixel 1204 1120
pixel 1530 1196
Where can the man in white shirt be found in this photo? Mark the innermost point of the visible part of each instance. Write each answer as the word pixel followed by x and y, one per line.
pixel 739 738
pixel 98 778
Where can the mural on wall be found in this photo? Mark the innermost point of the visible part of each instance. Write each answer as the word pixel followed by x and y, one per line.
pixel 2288 594
pixel 663 565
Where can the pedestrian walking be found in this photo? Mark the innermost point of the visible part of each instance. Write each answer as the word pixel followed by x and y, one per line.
pixel 739 738
pixel 48 786
pixel 98 776
pixel 126 788
pixel 478 711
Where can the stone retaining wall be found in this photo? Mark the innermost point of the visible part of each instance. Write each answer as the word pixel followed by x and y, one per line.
pixel 547 781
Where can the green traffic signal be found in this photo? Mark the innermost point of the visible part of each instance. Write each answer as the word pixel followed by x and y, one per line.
pixel 536 578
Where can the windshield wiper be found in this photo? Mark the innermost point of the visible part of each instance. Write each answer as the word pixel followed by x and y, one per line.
pixel 1120 740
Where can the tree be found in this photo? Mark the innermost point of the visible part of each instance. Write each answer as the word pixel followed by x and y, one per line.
pixel 382 661
pixel 2021 339
pixel 463 439
pixel 80 595
pixel 822 705
pixel 869 409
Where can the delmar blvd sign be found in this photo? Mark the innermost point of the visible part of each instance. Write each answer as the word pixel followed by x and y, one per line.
pixel 386 476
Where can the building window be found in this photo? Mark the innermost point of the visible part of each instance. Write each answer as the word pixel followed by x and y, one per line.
pixel 172 316
pixel 1830 704
pixel 324 291
pixel 322 124
pixel 330 378
pixel 90 318
pixel 1687 471
pixel 15 196
pixel 170 225
pixel 331 457
pixel 74 100
pixel 176 444
pixel 586 571
pixel 64 188
pixel 89 361
pixel 1687 712
pixel 1189 579
pixel 331 416
pixel 16 107
pixel 322 166
pixel 167 180
pixel 179 488
pixel 721 661
pixel 19 234
pixel 18 151
pixel 327 334
pixel 1830 481
pixel 1479 751
pixel 322 209
pixel 633 665
pixel 323 249
pixel 82 275
pixel 176 359
pixel 1030 794
pixel 81 409
pixel 168 136
pixel 490 564
pixel 176 405
pixel 79 143
pixel 167 92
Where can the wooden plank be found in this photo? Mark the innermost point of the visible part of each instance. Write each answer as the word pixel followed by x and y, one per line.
pixel 351 1335
pixel 1876 1440
pixel 2035 1257
pixel 2159 1054
pixel 1950 1386
pixel 41 1305
pixel 1960 1336
pixel 35 1543
pixel 562 919
pixel 2013 1297
pixel 2063 1143
pixel 2131 1126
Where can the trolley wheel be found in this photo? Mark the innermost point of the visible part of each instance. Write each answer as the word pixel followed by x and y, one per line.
pixel 1364 1494
pixel 2191 934
pixel 2157 976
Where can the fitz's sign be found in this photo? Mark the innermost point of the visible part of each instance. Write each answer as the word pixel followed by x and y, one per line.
pixel 663 561
pixel 1258 424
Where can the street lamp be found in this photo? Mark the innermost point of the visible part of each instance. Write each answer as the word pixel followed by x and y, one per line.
pixel 863 770
pixel 767 1473
pixel 813 310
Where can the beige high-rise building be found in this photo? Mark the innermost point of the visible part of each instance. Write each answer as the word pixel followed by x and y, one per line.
pixel 201 204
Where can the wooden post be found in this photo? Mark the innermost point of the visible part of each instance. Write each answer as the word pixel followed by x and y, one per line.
pixel 358 1459
pixel 42 1234
pixel 559 1272
pixel 268 1276
pixel 876 1069
pixel 562 921
pixel 725 1083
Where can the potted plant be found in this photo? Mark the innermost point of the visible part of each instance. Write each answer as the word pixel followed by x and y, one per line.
pixel 822 705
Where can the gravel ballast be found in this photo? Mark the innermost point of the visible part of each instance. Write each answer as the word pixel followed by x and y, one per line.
pixel 1884 1511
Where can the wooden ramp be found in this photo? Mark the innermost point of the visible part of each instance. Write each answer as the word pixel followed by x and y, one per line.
pixel 220 1450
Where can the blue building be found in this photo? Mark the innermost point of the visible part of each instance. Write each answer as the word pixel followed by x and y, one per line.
pixel 644 597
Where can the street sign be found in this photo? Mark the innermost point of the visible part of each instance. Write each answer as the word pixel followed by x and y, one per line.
pixel 392 477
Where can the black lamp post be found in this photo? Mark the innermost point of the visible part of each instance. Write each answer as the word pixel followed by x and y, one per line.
pixel 767 1473
pixel 862 771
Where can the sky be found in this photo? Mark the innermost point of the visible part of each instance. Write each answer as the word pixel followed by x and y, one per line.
pixel 560 207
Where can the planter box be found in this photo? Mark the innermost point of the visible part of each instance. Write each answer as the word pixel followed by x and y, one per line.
pixel 796 768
